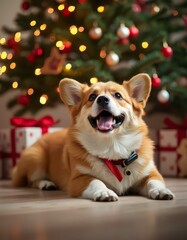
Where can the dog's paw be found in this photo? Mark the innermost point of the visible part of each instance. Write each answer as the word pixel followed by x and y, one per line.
pixel 105 196
pixel 46 185
pixel 161 194
pixel 98 191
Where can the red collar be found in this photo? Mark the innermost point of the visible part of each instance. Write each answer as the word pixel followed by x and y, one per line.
pixel 111 164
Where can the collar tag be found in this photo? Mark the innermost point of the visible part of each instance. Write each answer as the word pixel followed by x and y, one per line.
pixel 131 159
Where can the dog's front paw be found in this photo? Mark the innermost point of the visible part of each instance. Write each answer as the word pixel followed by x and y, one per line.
pixel 98 191
pixel 161 194
pixel 105 196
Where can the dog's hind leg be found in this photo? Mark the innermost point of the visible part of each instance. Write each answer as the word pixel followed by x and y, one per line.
pixel 32 169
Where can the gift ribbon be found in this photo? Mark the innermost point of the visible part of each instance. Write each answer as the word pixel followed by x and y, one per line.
pixel 171 124
pixel 44 123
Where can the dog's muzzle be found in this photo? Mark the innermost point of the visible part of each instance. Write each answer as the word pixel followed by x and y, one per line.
pixel 105 121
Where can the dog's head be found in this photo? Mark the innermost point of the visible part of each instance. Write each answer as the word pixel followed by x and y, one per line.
pixel 106 107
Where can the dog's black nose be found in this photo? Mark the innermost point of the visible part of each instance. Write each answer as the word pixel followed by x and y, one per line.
pixel 103 101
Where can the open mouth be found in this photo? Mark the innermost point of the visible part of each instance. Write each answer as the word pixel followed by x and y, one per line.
pixel 105 121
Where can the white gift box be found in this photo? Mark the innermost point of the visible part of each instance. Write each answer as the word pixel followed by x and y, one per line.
pixel 14 141
pixel 169 142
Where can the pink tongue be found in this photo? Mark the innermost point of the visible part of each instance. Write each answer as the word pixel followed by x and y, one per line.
pixel 105 123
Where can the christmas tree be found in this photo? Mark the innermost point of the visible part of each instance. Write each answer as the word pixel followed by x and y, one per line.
pixel 93 41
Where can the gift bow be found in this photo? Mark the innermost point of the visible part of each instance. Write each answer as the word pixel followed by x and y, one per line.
pixel 44 122
pixel 171 124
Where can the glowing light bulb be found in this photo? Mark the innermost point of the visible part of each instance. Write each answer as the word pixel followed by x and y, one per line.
pixel 71 8
pixel 145 45
pixel 12 65
pixel 37 32
pixel 61 7
pixel 59 44
pixel 50 10
pixel 32 23
pixel 101 9
pixel 30 91
pixel 15 85
pixel 68 66
pixel 17 37
pixel 9 56
pixel 43 99
pixel 82 48
pixel 156 9
pixel 37 71
pixel 43 27
pixel 93 80
pixel 2 69
pixel 3 55
pixel 81 29
pixel 73 30
pixel 2 41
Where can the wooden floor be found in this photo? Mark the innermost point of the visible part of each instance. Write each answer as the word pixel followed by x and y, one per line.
pixel 29 214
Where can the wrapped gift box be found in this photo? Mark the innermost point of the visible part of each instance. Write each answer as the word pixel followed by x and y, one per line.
pixel 169 156
pixel 14 141
pixel 24 133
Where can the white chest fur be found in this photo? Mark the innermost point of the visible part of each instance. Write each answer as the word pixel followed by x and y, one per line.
pixel 116 147
pixel 100 171
pixel 119 146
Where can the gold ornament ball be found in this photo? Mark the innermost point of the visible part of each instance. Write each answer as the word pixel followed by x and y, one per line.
pixel 112 59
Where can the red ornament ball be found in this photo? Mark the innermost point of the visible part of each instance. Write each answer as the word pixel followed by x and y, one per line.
pixel 23 100
pixel 25 5
pixel 38 51
pixel 65 12
pixel 82 1
pixel 156 81
pixel 67 47
pixel 122 41
pixel 31 58
pixel 167 52
pixel 136 8
pixel 134 32
pixel 11 43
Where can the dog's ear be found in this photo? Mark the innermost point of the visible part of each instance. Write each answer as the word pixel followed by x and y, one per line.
pixel 139 87
pixel 70 91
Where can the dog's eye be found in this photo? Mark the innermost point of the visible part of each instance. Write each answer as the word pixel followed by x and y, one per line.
pixel 92 97
pixel 118 96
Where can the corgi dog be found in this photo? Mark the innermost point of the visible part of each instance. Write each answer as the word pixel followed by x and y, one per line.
pixel 106 151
